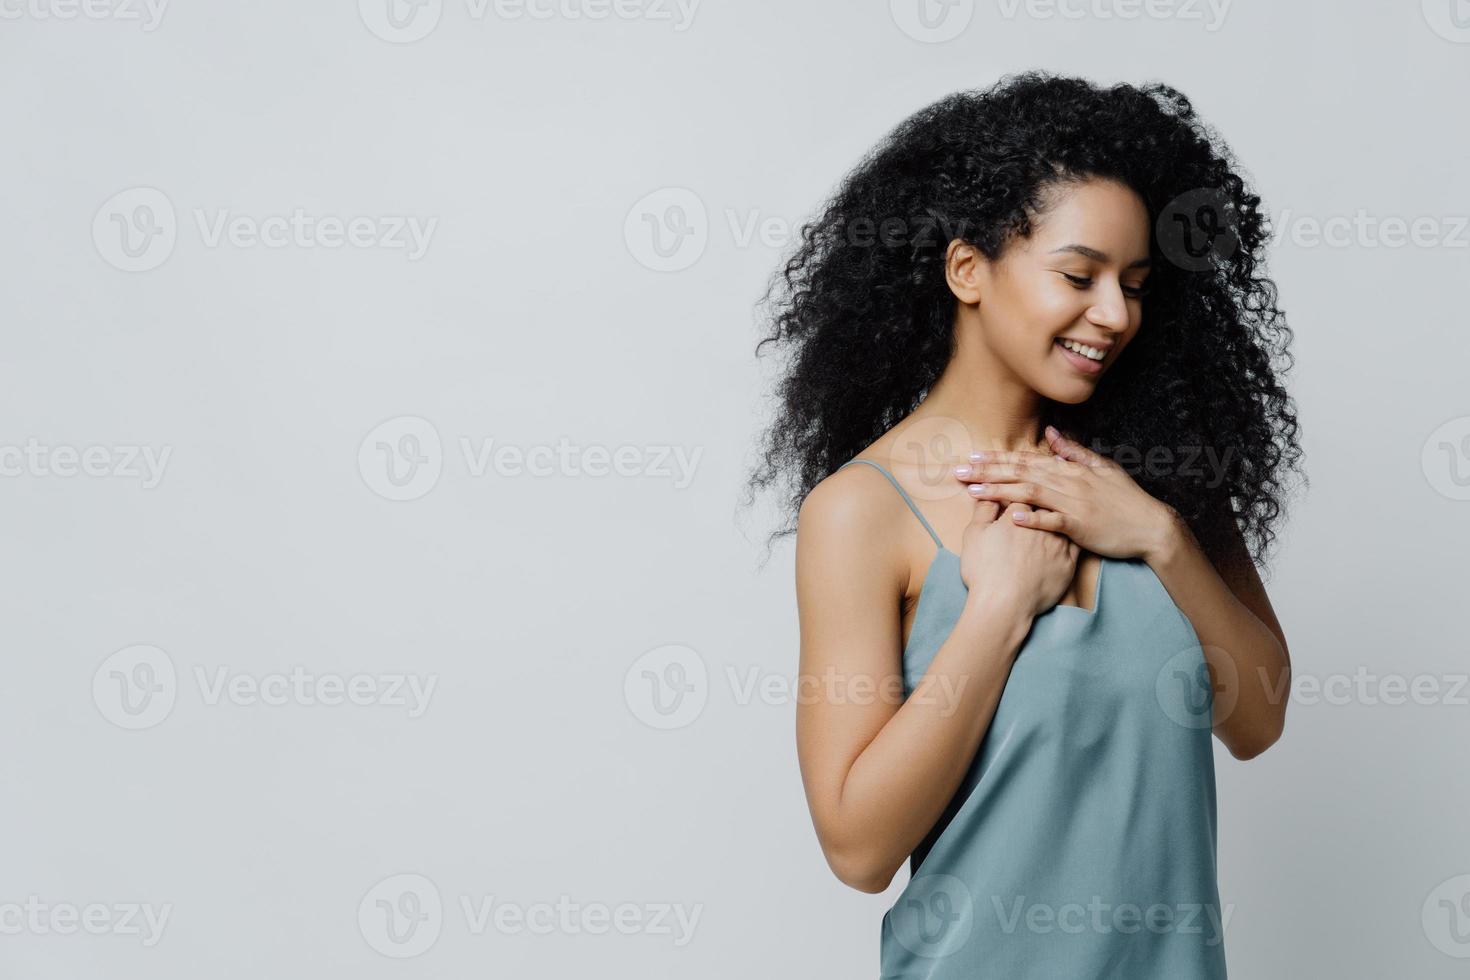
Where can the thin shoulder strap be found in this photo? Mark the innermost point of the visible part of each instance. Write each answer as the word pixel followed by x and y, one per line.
pixel 903 493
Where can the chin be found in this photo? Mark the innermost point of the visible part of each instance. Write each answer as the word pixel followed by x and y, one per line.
pixel 1074 393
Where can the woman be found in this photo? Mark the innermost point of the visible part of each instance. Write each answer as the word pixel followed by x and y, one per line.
pixel 1031 421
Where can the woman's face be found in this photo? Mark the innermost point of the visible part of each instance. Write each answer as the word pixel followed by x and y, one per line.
pixel 1076 280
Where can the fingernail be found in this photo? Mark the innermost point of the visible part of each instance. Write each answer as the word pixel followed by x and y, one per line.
pixel 978 488
pixel 1019 515
pixel 961 471
pixel 978 456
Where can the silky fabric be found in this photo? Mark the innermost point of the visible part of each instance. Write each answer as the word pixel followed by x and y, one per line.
pixel 1081 842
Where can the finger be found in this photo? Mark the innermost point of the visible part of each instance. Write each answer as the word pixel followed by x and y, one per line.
pixel 1058 476
pixel 1043 520
pixel 1071 449
pixel 1025 491
pixel 1020 456
pixel 986 511
pixel 994 470
pixel 1039 466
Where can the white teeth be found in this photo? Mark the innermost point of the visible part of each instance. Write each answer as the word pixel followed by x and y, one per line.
pixel 1092 353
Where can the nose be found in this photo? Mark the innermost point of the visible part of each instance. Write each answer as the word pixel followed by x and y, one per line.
pixel 1111 311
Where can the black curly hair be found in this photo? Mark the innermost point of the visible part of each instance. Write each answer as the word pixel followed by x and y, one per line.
pixel 866 317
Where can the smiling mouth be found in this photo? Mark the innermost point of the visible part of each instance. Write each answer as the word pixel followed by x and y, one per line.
pixel 1082 361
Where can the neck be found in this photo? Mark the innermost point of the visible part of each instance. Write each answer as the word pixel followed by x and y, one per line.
pixel 998 411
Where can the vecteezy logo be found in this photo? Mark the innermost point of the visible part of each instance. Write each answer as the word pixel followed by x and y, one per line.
pixel 402 458
pixel 930 449
pixel 667 230
pixel 401 916
pixel 934 915
pixel 1446 917
pixel 1446 459
pixel 1450 19
pixel 667 687
pixel 932 21
pixel 400 21
pixel 1197 230
pixel 1187 693
pixel 135 229
pixel 135 687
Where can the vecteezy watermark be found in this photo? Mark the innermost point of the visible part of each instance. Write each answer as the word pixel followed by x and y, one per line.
pixel 143 463
pixel 406 21
pixel 1445 459
pixel 404 915
pixel 753 685
pixel 35 917
pixel 136 230
pixel 400 21
pixel 1364 230
pixel 1211 13
pixel 925 452
pixel 401 916
pixel 1203 919
pixel 937 21
pixel 403 459
pixel 138 686
pixel 1446 917
pixel 1158 461
pixel 1450 19
pixel 667 230
pixel 297 228
pixel 1198 230
pixel 146 13
pixel 568 917
pixel 300 687
pixel 1187 692
pixel 932 21
pixel 934 916
pixel 669 687
pixel 1366 687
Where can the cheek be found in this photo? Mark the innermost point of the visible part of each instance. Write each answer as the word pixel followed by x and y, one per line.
pixel 1038 306
pixel 1050 310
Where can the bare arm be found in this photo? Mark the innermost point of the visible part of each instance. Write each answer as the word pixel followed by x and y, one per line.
pixel 1244 644
pixel 879 770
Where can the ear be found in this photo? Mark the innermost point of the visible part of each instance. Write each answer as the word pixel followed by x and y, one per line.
pixel 965 268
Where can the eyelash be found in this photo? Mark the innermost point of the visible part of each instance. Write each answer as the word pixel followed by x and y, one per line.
pixel 1136 292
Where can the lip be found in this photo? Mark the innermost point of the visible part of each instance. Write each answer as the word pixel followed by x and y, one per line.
pixel 1102 345
pixel 1083 364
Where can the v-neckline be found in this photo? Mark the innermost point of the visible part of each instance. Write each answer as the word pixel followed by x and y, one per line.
pixel 1090 615
pixel 1097 588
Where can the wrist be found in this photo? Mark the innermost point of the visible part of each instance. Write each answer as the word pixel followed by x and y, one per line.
pixel 1169 535
pixel 998 607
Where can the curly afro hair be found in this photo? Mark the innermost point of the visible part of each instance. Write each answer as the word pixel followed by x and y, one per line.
pixel 862 310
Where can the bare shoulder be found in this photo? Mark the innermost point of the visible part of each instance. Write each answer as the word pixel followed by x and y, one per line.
pixel 846 501
pixel 848 517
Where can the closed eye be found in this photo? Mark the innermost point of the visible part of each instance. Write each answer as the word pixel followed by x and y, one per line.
pixel 1085 282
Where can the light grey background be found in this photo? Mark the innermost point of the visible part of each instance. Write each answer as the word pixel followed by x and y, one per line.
pixel 543 767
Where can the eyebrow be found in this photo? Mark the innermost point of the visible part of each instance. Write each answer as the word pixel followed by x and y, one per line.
pixel 1097 256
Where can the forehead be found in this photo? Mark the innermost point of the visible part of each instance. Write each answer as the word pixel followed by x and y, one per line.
pixel 1103 214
